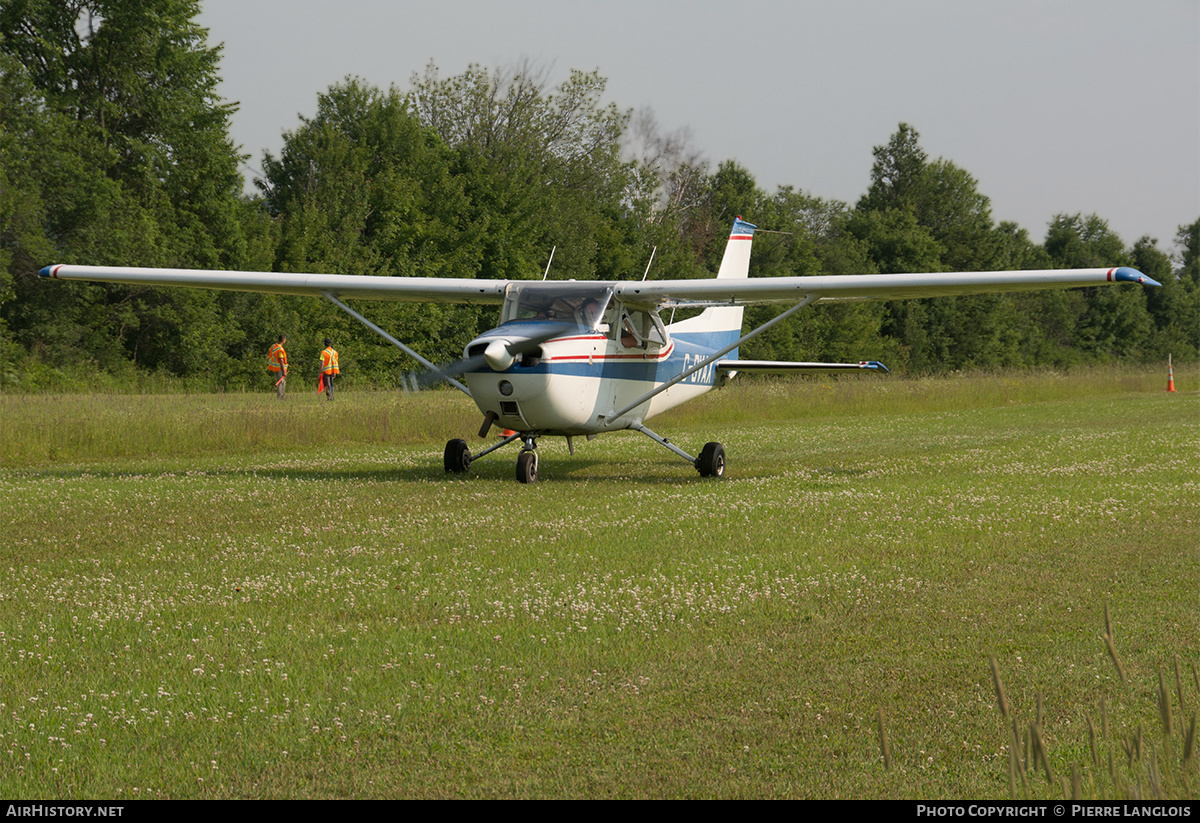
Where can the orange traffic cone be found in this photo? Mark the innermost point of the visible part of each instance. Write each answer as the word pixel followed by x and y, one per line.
pixel 1170 375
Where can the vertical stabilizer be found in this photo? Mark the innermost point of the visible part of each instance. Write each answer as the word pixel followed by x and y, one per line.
pixel 724 321
pixel 736 262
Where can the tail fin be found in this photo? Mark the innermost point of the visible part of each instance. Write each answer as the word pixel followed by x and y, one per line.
pixel 736 262
pixel 725 321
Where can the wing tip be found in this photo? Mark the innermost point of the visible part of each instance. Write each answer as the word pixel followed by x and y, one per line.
pixel 49 271
pixel 1126 274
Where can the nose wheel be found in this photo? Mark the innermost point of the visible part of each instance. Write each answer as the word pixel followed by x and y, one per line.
pixel 527 467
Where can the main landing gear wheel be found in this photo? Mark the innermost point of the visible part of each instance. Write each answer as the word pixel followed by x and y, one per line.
pixel 457 457
pixel 711 462
pixel 527 467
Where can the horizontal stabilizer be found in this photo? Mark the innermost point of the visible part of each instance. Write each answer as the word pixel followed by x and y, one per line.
pixel 788 367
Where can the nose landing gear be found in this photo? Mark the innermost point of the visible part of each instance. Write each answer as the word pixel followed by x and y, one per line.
pixel 457 457
pixel 527 467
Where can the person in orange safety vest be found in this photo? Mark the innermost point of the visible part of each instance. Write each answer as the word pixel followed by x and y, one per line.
pixel 277 365
pixel 329 369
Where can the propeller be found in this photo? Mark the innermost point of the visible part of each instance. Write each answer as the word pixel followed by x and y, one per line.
pixel 499 354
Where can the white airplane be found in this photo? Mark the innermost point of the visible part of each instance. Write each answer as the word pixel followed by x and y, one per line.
pixel 575 358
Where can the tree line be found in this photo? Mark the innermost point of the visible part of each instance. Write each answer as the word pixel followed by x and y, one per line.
pixel 115 150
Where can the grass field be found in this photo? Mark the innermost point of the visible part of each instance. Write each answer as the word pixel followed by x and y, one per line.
pixel 226 596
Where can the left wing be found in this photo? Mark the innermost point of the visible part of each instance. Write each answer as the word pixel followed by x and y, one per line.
pixel 752 291
pixel 709 292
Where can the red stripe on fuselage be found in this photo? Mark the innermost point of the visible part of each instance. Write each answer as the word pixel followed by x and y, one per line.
pixel 584 337
pixel 661 356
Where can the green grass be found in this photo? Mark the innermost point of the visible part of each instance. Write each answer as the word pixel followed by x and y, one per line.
pixel 227 596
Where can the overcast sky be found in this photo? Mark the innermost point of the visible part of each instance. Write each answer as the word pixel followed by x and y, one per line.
pixel 1055 106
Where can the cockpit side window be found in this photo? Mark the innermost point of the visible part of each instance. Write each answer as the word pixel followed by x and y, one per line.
pixel 636 328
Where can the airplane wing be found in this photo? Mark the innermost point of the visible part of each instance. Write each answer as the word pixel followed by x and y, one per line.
pixel 362 287
pixel 750 291
pixel 707 292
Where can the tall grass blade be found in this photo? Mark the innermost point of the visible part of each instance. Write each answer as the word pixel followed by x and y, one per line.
pixel 1179 684
pixel 1039 752
pixel 1164 706
pixel 1189 740
pixel 1092 740
pixel 1112 653
pixel 1001 697
pixel 883 743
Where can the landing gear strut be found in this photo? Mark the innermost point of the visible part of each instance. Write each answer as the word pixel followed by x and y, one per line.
pixel 457 457
pixel 710 463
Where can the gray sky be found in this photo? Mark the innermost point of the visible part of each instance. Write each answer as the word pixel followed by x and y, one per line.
pixel 1055 106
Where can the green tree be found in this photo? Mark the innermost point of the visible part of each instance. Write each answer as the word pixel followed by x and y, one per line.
pixel 896 176
pixel 57 203
pixel 132 166
pixel 1173 308
pixel 1188 241
pixel 945 208
pixel 1187 314
pixel 817 243
pixel 542 168
pixel 363 188
pixel 943 198
pixel 142 73
pixel 1110 323
pixel 1043 321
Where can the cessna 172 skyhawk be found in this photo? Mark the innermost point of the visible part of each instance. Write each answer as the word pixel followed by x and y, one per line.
pixel 573 358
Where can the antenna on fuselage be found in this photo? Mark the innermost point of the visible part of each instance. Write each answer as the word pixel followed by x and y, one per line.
pixel 548 262
pixel 647 272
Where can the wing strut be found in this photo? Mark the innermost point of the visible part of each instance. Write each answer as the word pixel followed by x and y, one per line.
pixel 717 355
pixel 397 344
pixel 662 441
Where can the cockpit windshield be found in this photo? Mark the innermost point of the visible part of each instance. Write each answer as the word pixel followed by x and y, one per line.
pixel 560 301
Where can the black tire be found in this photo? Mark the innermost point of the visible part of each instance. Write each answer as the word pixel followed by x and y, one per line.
pixel 711 462
pixel 527 467
pixel 457 457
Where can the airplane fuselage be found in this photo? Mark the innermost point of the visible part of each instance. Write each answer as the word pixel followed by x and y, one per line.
pixel 578 380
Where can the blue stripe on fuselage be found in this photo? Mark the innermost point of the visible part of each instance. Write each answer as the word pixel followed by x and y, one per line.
pixel 690 348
